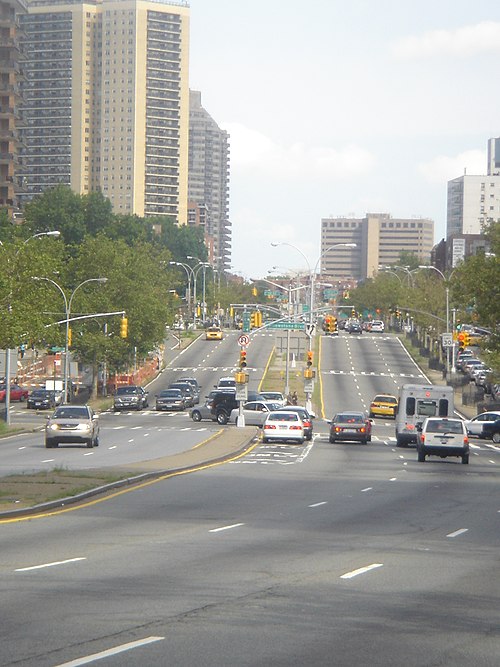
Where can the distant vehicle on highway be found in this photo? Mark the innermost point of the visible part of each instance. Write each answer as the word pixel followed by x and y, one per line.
pixel 213 333
pixel 306 417
pixel 170 399
pixel 443 436
pixel 354 327
pixel 282 426
pixel 130 397
pixel 191 398
pixel 377 326
pixel 350 425
pixel 254 412
pixel 492 430
pixel 416 403
pixel 72 423
pixel 384 405
pixel 476 425
pixel 41 399
pixel 274 396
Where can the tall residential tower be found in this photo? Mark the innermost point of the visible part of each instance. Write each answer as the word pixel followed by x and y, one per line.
pixel 209 180
pixel 106 102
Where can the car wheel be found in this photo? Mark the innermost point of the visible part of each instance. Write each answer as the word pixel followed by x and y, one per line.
pixel 265 440
pixel 465 459
pixel 90 443
pixel 371 415
pixel 331 439
pixel 364 442
pixel 309 437
pixel 401 443
pixel 49 444
pixel 421 456
pixel 496 438
pixel 196 416
pixel 222 418
pixel 96 441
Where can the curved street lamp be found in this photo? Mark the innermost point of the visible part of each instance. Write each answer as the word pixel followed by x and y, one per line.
pixel 67 307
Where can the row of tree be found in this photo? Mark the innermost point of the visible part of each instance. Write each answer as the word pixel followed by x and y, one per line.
pixel 473 292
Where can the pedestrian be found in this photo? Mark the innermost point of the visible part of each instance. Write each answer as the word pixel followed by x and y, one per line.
pixel 294 398
pixel 289 400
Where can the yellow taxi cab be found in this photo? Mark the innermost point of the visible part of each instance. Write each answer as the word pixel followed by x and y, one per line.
pixel 213 333
pixel 384 405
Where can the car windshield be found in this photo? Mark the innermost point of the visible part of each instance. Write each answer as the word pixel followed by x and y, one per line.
pixel 71 413
pixel 385 399
pixel 171 393
pixel 348 418
pixel 126 390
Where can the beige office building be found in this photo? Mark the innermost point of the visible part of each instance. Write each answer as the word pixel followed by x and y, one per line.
pixel 379 240
pixel 106 102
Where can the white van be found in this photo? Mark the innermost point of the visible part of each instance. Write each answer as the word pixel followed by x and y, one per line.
pixel 416 403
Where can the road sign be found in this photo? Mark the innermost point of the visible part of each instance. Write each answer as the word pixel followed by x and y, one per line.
pixel 243 340
pixel 293 326
pixel 246 320
pixel 447 339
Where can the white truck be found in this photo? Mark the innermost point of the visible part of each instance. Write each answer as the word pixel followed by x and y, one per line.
pixel 416 403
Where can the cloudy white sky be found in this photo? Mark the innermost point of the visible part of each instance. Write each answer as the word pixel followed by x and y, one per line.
pixel 343 108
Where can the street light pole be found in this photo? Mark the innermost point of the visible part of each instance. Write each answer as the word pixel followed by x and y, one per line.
pixel 55 234
pixel 67 307
pixel 447 288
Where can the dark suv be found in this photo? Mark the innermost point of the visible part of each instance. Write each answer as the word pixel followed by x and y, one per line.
pixel 223 402
pixel 130 397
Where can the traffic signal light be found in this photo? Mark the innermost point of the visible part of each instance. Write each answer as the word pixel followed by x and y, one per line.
pixel 461 341
pixel 243 358
pixel 254 291
pixel 326 323
pixel 310 355
pixel 466 336
pixel 332 325
pixel 124 327
pixel 353 313
pixel 70 337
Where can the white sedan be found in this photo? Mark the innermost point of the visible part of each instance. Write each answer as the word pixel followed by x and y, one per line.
pixel 255 412
pixel 283 426
pixel 475 425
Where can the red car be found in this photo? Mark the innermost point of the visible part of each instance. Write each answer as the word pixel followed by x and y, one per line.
pixel 17 393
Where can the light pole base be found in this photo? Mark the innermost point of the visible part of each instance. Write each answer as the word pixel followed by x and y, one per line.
pixel 240 421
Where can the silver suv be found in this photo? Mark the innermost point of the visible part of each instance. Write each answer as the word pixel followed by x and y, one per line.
pixel 130 397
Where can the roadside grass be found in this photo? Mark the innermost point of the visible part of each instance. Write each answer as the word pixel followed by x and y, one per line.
pixel 27 490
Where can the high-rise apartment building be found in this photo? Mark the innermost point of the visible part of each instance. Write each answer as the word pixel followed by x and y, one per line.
pixel 10 77
pixel 209 178
pixel 106 102
pixel 380 240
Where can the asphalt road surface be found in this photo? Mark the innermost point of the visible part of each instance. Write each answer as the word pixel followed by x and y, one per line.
pixel 319 554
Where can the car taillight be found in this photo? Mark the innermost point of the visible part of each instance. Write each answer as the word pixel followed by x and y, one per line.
pixel 338 429
pixel 306 422
pixel 269 426
pixel 295 428
pixel 362 429
pixel 466 440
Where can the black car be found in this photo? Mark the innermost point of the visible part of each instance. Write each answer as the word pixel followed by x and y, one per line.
pixel 350 425
pixel 222 404
pixel 170 399
pixel 41 399
pixel 130 397
pixel 354 327
pixel 492 430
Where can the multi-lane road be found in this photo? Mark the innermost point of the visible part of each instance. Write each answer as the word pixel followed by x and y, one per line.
pixel 319 554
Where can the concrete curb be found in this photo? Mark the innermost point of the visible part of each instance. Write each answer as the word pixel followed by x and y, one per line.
pixel 224 446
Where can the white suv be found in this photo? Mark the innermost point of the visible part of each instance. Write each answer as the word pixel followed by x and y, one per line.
pixel 443 436
pixel 377 326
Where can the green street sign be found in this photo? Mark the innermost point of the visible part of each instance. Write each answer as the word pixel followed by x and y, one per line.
pixel 293 326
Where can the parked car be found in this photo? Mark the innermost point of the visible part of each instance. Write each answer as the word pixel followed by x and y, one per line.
pixel 282 426
pixel 170 399
pixel 384 405
pixel 41 399
pixel 476 425
pixel 443 436
pixel 213 333
pixel 191 398
pixel 130 397
pixel 72 423
pixel 254 412
pixel 17 393
pixel 350 425
pixel 306 417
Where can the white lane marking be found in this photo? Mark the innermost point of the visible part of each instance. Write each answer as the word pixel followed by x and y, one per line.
pixel 21 448
pixel 458 532
pixel 117 428
pixel 40 567
pixel 135 428
pixel 361 570
pixel 111 651
pixel 368 488
pixel 319 504
pixel 393 479
pixel 48 460
pixel 113 447
pixel 88 454
pixel 233 525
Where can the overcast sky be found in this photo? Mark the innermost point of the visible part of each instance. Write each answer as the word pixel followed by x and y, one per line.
pixel 339 107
